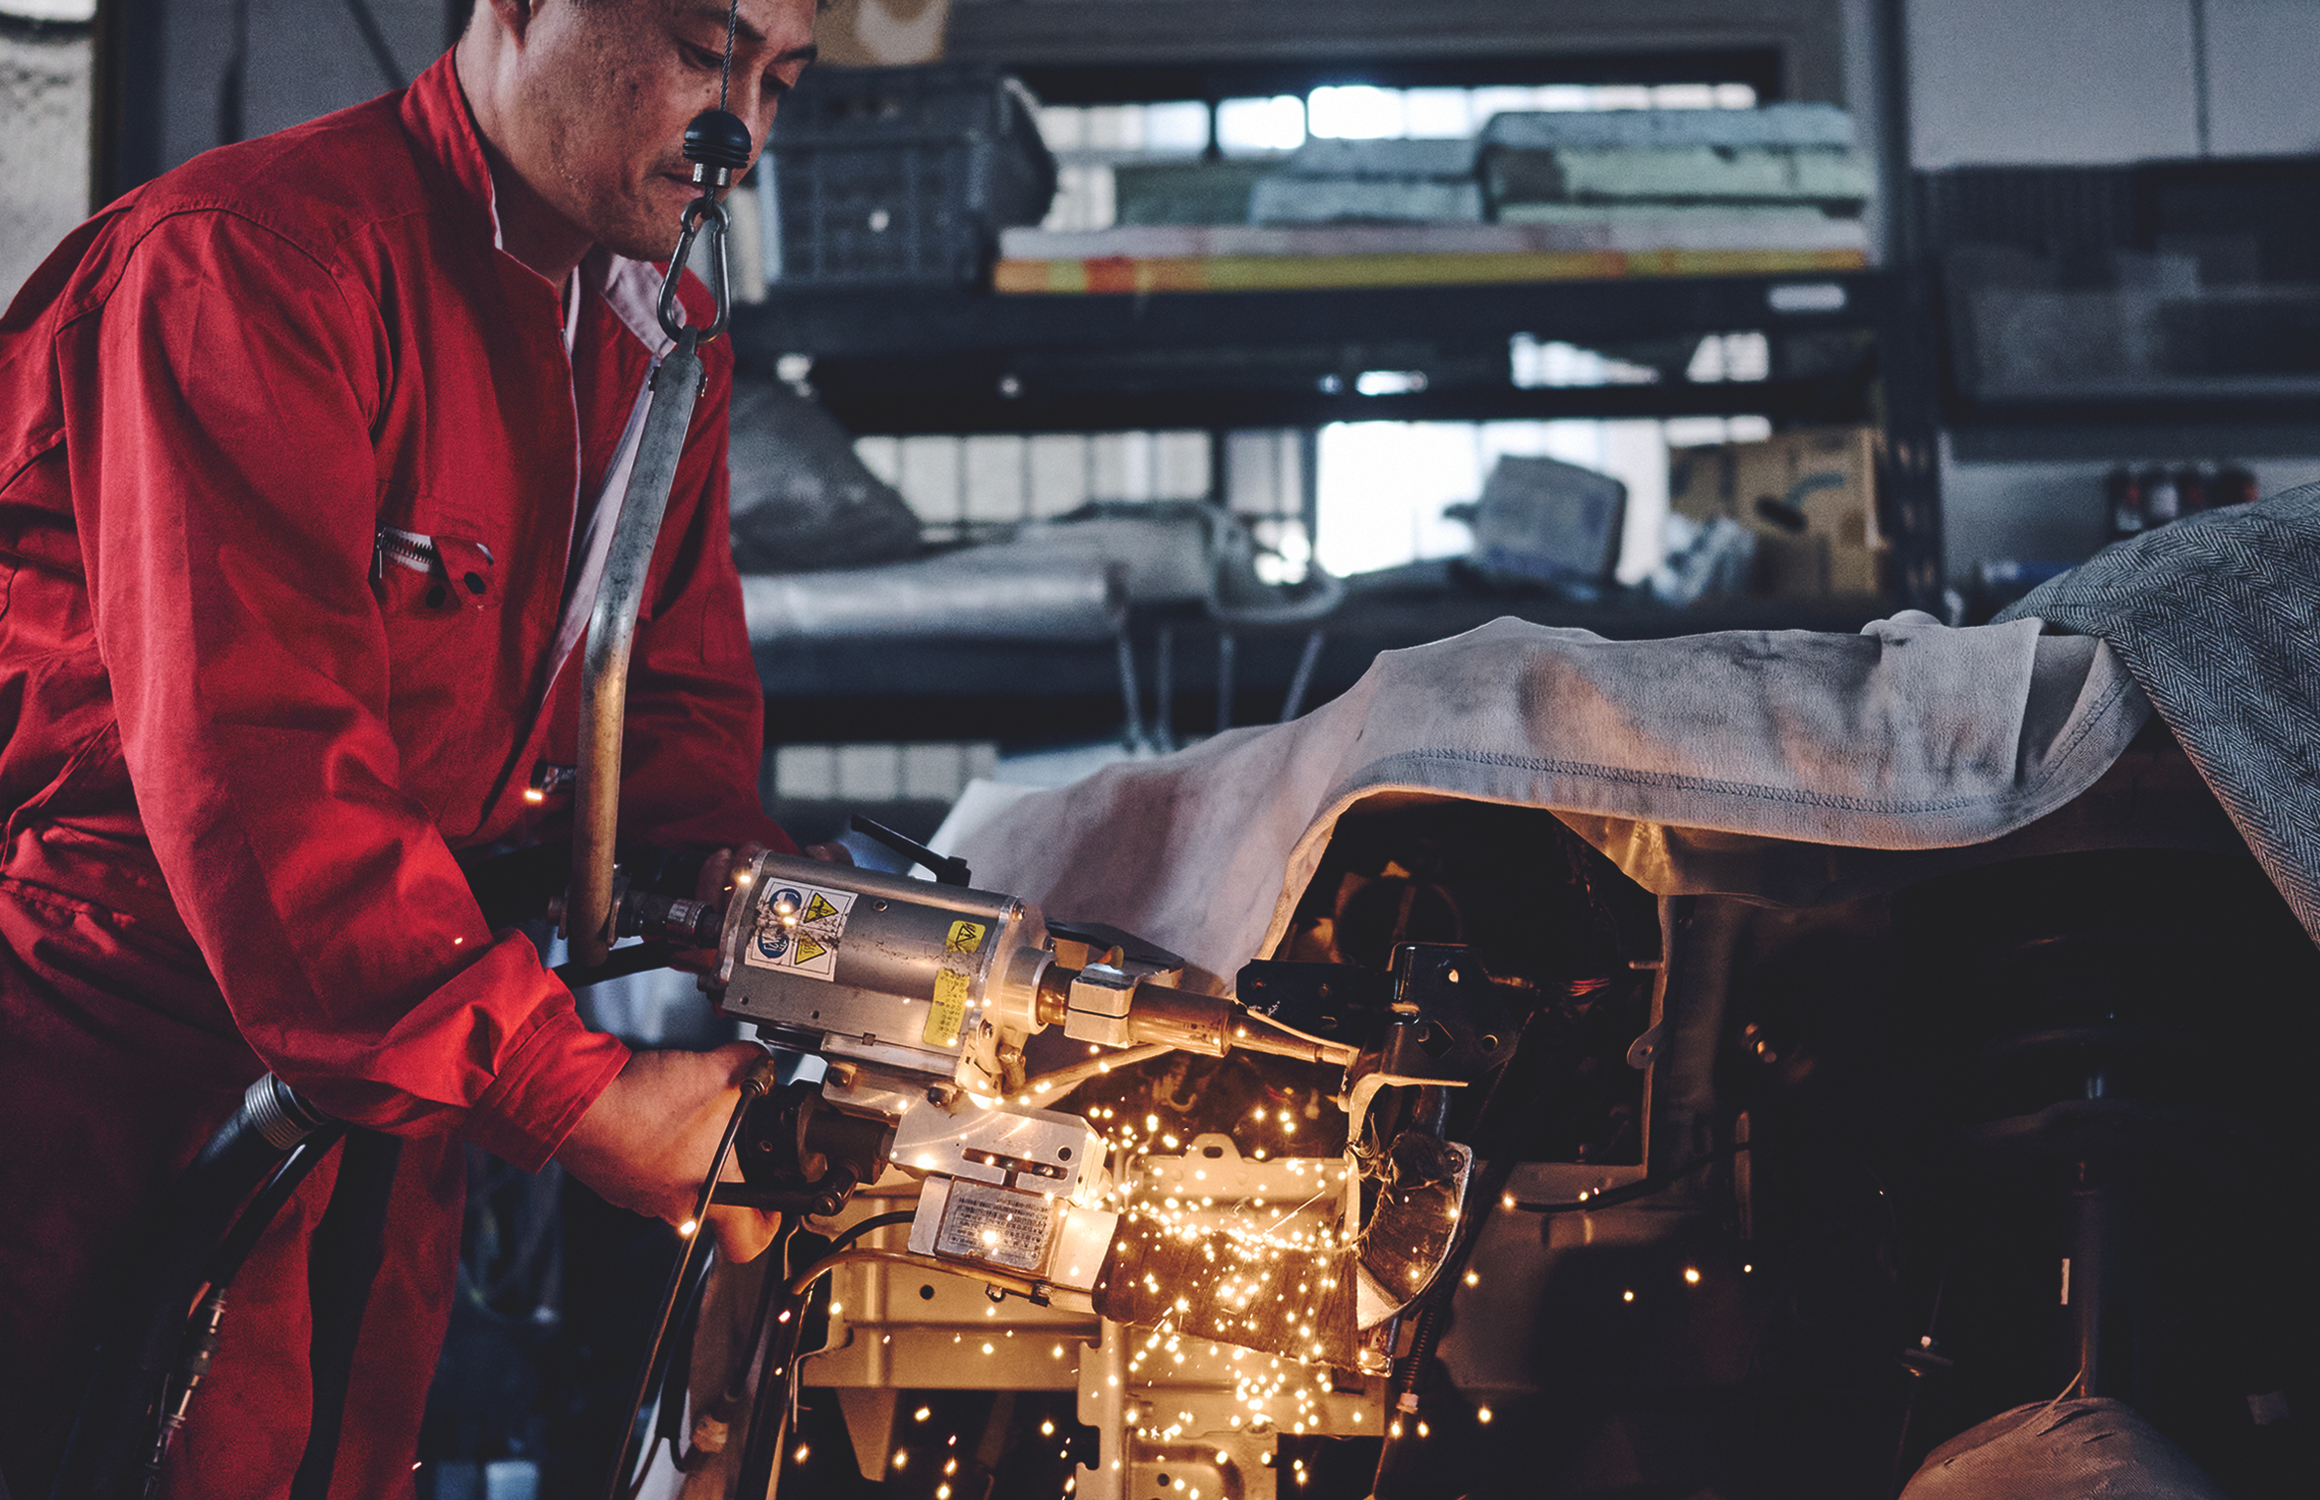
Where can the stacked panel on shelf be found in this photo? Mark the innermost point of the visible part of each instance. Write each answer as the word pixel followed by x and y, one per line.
pixel 1546 196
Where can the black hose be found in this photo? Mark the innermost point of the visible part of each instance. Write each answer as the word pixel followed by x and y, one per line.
pixel 675 1373
pixel 342 1261
pixel 201 1337
pixel 852 1233
pixel 775 1344
pixel 514 886
pixel 235 1248
pixel 769 1412
pixel 753 1088
pixel 113 1427
pixel 770 1299
pixel 634 959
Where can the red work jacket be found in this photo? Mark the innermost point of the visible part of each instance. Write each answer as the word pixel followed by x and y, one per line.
pixel 291 455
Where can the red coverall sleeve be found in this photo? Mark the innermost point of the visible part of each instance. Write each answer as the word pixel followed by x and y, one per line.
pixel 223 472
pixel 696 708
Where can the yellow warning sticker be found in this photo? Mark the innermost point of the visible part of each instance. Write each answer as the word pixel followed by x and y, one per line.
pixel 966 937
pixel 799 930
pixel 949 1015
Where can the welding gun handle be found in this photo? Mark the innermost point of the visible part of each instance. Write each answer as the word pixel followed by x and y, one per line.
pixel 946 870
pixel 821 1201
pixel 686 923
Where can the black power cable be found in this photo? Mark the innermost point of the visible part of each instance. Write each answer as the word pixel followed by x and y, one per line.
pixel 201 1334
pixel 773 1359
pixel 113 1430
pixel 767 1327
pixel 853 1232
pixel 753 1088
pixel 343 1258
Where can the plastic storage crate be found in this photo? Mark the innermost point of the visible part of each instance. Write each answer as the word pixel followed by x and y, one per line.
pixel 900 176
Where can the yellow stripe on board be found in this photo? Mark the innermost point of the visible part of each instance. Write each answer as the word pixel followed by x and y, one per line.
pixel 1281 273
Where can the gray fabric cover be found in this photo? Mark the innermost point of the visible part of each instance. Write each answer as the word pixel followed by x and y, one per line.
pixel 2092 1449
pixel 1908 736
pixel 2218 619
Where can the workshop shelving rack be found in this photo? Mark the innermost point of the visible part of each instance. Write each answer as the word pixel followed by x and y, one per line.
pixel 1845 347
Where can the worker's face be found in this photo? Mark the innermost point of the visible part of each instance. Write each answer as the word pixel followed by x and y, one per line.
pixel 605 90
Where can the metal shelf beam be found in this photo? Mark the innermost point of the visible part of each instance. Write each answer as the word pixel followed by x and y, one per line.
pixel 868 404
pixel 933 323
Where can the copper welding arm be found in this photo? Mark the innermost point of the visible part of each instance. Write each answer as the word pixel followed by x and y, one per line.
pixel 1183 1019
pixel 1213 1025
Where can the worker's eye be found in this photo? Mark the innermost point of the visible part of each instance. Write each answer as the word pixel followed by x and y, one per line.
pixel 701 57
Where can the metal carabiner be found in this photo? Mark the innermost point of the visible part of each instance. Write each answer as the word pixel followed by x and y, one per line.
pixel 701 213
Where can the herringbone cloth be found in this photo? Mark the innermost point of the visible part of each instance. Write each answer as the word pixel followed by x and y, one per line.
pixel 2218 619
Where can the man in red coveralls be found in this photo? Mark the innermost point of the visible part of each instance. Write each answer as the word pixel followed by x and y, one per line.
pixel 304 451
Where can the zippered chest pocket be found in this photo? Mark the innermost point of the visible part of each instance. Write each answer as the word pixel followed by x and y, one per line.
pixel 439 598
pixel 412 573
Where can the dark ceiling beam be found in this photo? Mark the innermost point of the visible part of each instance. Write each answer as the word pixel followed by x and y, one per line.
pixel 1808 35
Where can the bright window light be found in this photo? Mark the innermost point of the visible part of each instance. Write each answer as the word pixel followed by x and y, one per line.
pixel 1383 485
pixel 1389 382
pixel 1246 126
pixel 1438 114
pixel 1176 129
pixel 1731 356
pixel 1063 127
pixel 1622 96
pixel 1568 96
pixel 1536 363
pixel 1699 432
pixel 1288 550
pixel 1485 102
pixel 1684 96
pixel 1356 111
pixel 1381 490
pixel 1112 127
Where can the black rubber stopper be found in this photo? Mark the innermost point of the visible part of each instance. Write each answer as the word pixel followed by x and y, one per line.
pixel 717 139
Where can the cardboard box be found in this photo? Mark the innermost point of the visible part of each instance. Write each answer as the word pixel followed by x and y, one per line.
pixel 1810 496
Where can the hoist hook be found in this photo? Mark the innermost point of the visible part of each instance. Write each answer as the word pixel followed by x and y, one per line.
pixel 703 212
pixel 718 146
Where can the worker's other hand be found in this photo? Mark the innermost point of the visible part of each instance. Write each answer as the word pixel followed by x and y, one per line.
pixel 716 887
pixel 645 1144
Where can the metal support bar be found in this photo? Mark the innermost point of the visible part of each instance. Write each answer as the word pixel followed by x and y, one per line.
pixel 676 387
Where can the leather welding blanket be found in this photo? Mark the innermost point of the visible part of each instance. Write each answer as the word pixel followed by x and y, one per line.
pixel 1743 761
pixel 2217 618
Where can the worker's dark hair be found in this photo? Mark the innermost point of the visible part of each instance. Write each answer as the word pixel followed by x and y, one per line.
pixel 819 5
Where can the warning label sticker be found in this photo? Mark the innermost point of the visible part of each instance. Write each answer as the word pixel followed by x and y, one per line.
pixel 949 1015
pixel 965 937
pixel 999 1225
pixel 799 930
